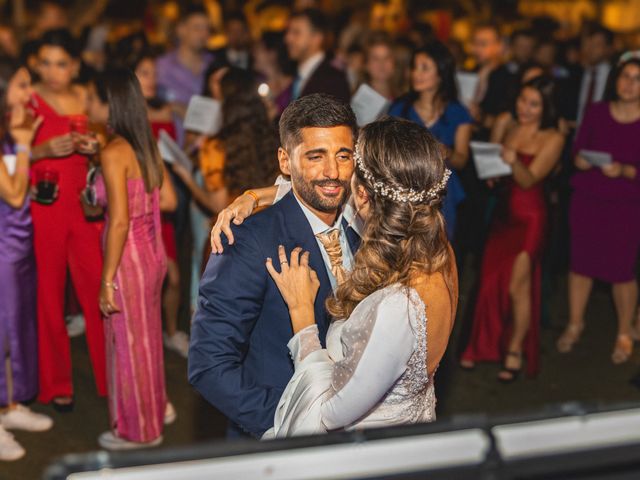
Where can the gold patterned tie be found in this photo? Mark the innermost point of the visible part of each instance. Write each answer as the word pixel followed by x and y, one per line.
pixel 331 243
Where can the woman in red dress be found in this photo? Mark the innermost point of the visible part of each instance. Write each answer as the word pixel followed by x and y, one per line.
pixel 507 312
pixel 63 238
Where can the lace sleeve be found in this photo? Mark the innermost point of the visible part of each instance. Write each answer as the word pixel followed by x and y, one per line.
pixel 303 343
pixel 377 343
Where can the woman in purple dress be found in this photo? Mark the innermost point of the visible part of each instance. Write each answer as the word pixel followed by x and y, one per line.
pixel 18 340
pixel 605 208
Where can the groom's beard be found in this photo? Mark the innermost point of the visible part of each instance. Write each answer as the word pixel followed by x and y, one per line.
pixel 318 201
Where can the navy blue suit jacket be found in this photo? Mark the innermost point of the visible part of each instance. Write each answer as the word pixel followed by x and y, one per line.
pixel 238 358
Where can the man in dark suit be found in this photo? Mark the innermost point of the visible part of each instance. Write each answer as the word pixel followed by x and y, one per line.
pixel 238 359
pixel 305 40
pixel 237 52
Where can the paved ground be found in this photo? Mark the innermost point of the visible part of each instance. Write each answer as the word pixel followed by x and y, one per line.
pixel 585 375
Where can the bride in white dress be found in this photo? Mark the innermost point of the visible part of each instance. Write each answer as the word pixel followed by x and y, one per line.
pixel 399 300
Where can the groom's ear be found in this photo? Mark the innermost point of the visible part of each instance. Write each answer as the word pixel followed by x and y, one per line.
pixel 284 161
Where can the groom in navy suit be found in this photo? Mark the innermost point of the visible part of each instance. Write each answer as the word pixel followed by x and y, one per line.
pixel 238 359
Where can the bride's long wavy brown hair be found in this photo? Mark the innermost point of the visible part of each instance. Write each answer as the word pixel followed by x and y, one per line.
pixel 401 241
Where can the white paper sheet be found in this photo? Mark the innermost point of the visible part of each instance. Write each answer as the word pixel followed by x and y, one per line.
pixel 204 115
pixel 488 160
pixel 597 159
pixel 171 152
pixel 10 162
pixel 368 105
pixel 467 85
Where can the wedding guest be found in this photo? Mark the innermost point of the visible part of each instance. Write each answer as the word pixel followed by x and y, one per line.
pixel 493 77
pixel 522 47
pixel 181 71
pixel 18 337
pixel 180 76
pixel 199 212
pixel 507 311
pixel 162 118
pixel 134 263
pixel 272 62
pixel 433 103
pixel 243 153
pixel 596 47
pixel 237 52
pixel 305 38
pixel 63 238
pixel 605 206
pixel 9 44
pixel 526 73
pixel 352 63
pixel 380 66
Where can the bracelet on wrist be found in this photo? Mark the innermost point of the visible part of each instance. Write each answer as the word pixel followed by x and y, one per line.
pixel 109 285
pixel 22 148
pixel 254 195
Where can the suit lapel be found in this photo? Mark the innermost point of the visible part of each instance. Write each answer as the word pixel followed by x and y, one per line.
pixel 299 234
pixel 314 83
pixel 352 237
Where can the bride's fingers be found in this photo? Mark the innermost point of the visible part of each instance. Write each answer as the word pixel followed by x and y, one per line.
pixel 295 257
pixel 226 229
pixel 272 271
pixel 282 256
pixel 304 259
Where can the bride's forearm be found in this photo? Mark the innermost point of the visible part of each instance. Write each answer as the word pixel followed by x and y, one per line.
pixel 302 317
pixel 263 196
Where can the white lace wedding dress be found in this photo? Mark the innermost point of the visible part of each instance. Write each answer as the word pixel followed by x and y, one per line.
pixel 373 372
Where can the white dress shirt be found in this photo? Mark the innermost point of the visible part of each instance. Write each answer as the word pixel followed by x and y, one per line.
pixel 601 72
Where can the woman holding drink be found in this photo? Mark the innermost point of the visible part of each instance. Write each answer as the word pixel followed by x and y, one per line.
pixel 63 238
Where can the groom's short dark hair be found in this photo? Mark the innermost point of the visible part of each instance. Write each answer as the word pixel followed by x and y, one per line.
pixel 315 110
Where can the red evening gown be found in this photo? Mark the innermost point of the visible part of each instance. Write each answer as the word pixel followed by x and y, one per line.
pixel 519 226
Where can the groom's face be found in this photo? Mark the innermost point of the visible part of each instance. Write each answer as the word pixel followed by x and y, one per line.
pixel 321 167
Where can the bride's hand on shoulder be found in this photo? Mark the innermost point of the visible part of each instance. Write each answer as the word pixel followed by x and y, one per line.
pixel 298 283
pixel 241 208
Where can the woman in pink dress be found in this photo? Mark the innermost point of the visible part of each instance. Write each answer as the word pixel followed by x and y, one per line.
pixel 161 117
pixel 134 263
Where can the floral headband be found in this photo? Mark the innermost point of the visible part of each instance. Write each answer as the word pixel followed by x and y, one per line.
pixel 401 194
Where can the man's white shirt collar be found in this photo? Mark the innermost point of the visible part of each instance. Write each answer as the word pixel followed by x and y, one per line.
pixel 317 225
pixel 306 68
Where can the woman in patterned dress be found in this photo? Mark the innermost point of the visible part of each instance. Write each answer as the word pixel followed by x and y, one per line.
pixel 134 263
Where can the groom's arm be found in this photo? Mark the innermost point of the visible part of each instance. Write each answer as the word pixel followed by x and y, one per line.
pixel 231 297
